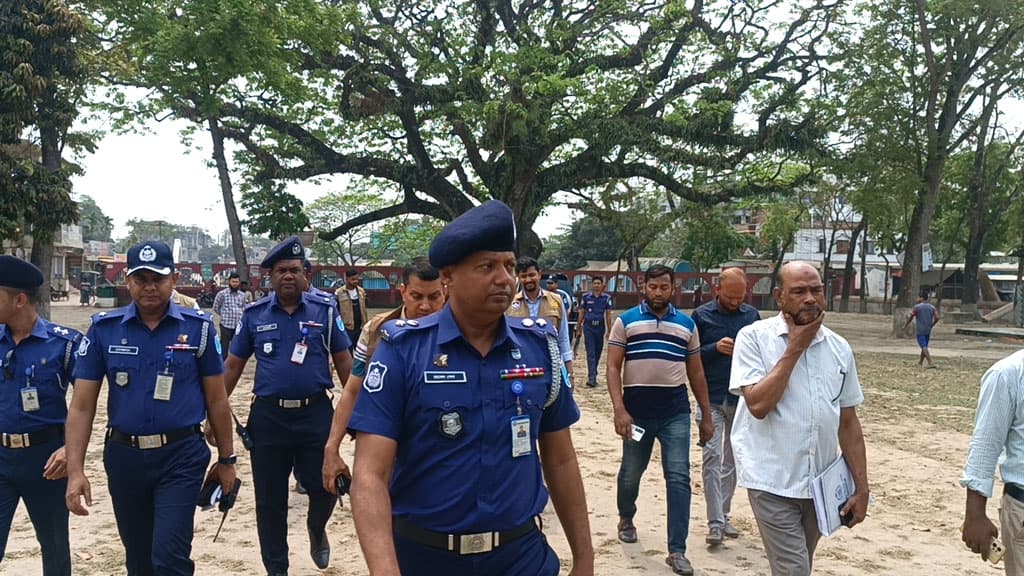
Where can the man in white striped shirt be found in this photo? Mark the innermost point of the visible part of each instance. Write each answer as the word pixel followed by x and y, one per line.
pixel 799 391
pixel 998 430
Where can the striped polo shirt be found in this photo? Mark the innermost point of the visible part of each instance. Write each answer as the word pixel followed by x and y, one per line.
pixel 654 372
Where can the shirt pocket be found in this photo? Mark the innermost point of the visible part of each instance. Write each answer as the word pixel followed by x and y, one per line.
pixel 50 376
pixel 835 386
pixel 123 370
pixel 268 345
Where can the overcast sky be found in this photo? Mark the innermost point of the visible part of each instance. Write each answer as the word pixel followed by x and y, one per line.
pixel 156 177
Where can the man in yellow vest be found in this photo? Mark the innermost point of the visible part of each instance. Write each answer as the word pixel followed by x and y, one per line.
pixel 352 305
pixel 540 305
pixel 422 295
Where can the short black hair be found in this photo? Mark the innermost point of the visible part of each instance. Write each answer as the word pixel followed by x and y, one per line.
pixel 244 283
pixel 924 294
pixel 524 263
pixel 598 279
pixel 32 293
pixel 233 275
pixel 351 272
pixel 657 271
pixel 419 267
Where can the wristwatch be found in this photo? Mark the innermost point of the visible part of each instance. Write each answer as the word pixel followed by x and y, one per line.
pixel 227 460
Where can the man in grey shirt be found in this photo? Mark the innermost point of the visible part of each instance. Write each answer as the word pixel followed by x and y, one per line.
pixel 925 316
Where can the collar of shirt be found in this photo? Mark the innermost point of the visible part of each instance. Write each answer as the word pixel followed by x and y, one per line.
pixel 448 330
pixel 274 303
pixel 39 330
pixel 132 311
pixel 525 296
pixel 647 310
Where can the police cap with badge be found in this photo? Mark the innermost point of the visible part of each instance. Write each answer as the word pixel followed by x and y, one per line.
pixel 152 255
pixel 19 274
pixel 288 249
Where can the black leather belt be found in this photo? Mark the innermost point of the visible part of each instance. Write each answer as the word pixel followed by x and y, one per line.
pixel 294 403
pixel 462 543
pixel 29 439
pixel 151 441
pixel 1014 491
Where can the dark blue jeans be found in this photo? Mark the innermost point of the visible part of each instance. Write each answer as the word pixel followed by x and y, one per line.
pixel 673 434
pixel 21 477
pixel 154 493
pixel 593 339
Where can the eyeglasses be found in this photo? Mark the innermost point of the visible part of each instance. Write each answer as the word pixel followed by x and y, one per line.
pixel 9 365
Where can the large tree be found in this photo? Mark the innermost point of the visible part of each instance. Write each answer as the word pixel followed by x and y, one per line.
pixel 459 102
pixel 920 72
pixel 41 84
pixel 95 224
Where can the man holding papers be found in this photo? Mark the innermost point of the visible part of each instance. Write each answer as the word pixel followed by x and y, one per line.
pixel 798 385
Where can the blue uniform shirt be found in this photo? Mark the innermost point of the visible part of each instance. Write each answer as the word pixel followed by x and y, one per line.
pixel 122 348
pixel 451 415
pixel 271 333
pixel 595 307
pixel 48 352
pixel 713 324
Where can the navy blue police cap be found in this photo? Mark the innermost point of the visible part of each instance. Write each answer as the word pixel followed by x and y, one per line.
pixel 151 255
pixel 288 249
pixel 487 227
pixel 17 273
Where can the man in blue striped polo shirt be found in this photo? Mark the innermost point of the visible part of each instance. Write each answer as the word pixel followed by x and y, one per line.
pixel 653 350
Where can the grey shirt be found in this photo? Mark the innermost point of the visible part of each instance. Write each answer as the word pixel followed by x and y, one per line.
pixel 924 317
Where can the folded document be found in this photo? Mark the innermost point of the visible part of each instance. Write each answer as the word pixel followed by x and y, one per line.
pixel 830 490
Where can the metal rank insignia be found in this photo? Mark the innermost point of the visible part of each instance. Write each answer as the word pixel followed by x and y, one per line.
pixel 441 360
pixel 450 424
pixel 182 338
pixel 520 372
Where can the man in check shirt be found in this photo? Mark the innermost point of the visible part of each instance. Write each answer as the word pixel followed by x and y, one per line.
pixel 799 391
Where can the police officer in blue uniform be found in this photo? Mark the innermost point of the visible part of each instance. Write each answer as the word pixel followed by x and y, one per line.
pixel 37 361
pixel 164 376
pixel 594 323
pixel 460 413
pixel 295 334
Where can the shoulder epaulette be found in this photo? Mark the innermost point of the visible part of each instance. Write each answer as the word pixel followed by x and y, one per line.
pixel 321 299
pixel 393 329
pixel 537 326
pixel 200 314
pixel 107 315
pixel 69 334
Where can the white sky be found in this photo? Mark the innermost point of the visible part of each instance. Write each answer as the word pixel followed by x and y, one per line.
pixel 154 176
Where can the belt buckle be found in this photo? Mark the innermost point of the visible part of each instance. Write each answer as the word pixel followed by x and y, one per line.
pixel 290 403
pixel 150 442
pixel 17 440
pixel 476 543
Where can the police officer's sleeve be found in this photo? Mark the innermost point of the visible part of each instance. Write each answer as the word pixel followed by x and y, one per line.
pixel 89 363
pixel 339 339
pixel 380 407
pixel 241 342
pixel 69 367
pixel 560 415
pixel 564 346
pixel 210 363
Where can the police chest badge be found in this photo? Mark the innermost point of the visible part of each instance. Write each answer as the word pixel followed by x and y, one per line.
pixel 516 304
pixel 268 347
pixel 121 378
pixel 450 424
pixel 374 380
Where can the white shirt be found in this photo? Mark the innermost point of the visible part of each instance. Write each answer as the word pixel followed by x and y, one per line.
pixel 799 438
pixel 998 428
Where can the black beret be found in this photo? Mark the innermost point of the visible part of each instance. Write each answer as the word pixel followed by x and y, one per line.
pixel 488 227
pixel 150 255
pixel 18 273
pixel 289 249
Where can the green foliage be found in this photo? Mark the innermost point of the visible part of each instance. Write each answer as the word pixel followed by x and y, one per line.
pixel 704 237
pixel 94 223
pixel 41 81
pixel 587 238
pixel 273 213
pixel 140 230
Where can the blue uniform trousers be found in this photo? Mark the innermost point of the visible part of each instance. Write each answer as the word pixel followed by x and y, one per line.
pixel 285 439
pixel 593 339
pixel 154 493
pixel 21 477
pixel 528 556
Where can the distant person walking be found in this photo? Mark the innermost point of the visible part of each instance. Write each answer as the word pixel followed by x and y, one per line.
pixel 595 320
pixel 925 317
pixel 229 304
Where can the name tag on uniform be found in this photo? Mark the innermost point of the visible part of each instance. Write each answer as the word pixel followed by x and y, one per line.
pixel 436 377
pixel 299 353
pixel 164 385
pixel 127 350
pixel 266 328
pixel 521 444
pixel 29 399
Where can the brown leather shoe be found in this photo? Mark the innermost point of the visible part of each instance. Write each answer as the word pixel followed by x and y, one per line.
pixel 627 532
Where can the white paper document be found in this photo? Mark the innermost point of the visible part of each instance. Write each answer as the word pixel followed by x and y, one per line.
pixel 831 489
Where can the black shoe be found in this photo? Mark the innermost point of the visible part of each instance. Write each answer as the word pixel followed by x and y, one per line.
pixel 275 573
pixel 591 384
pixel 299 487
pixel 320 550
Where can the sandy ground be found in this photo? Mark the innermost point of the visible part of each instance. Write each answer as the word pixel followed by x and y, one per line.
pixel 917 424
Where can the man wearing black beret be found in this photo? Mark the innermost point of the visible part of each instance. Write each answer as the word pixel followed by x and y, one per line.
pixel 463 416
pixel 37 360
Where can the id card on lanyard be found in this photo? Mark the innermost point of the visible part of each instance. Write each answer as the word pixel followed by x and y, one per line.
pixel 29 394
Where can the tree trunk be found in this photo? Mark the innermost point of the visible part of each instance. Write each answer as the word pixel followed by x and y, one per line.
pixel 42 240
pixel 864 268
pixel 234 224
pixel 924 209
pixel 844 300
pixel 942 277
